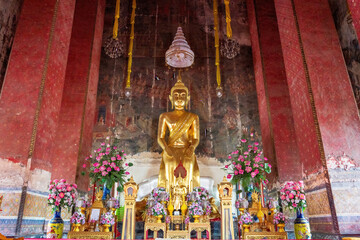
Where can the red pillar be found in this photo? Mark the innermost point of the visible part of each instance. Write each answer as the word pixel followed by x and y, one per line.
pixel 326 119
pixel 276 116
pixel 29 109
pixel 32 91
pixel 266 132
pixel 74 133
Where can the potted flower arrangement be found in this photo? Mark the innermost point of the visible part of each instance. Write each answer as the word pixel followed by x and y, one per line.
pixel 61 195
pixel 82 203
pixel 108 165
pixel 198 194
pixel 107 219
pixel 158 211
pixel 246 220
pixel 292 196
pixel 77 219
pixel 279 220
pixel 196 210
pixel 159 194
pixel 247 165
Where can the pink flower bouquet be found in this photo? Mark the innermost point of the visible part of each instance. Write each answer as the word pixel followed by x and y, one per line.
pixel 247 165
pixel 279 217
pixel 159 194
pixel 292 195
pixel 107 218
pixel 196 209
pixel 108 165
pixel 198 194
pixel 246 218
pixel 61 194
pixel 77 218
pixel 158 209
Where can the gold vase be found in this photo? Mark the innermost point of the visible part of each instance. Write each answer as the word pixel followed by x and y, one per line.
pixel 196 218
pixel 106 227
pixel 241 211
pixel 76 227
pixel 246 227
pixel 281 227
pixel 170 207
pixel 260 215
pixel 183 206
pixel 158 220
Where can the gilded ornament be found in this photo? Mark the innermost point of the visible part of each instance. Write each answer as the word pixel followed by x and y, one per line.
pixel 183 138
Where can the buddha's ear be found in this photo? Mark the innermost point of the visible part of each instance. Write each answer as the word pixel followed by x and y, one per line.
pixel 187 102
pixel 172 103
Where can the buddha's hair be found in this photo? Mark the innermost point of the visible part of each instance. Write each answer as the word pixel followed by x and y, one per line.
pixel 179 85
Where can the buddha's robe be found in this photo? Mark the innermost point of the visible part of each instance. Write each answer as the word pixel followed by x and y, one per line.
pixel 182 132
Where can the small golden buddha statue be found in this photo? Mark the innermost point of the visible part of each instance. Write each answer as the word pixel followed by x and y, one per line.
pixel 178 191
pixel 178 136
pixel 214 210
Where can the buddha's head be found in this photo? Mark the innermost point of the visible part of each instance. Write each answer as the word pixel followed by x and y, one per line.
pixel 179 96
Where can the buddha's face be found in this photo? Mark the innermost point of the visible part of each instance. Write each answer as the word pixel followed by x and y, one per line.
pixel 179 99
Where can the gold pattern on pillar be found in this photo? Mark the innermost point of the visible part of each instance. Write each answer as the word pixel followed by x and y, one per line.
pixel 113 47
pixel 131 45
pixel 128 227
pixel 219 90
pixel 225 195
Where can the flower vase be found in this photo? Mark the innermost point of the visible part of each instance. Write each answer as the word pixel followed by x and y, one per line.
pixel 76 227
pixel 106 227
pixel 301 226
pixel 170 207
pixel 281 227
pixel 55 226
pixel 106 192
pixel 159 217
pixel 183 207
pixel 196 218
pixel 246 228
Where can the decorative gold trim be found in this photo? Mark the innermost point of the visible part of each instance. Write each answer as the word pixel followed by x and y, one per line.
pixel 128 227
pixel 265 235
pixel 217 53
pixel 225 195
pixel 131 44
pixel 155 227
pixel 90 235
pixel 116 21
pixel 199 228
pixel 228 19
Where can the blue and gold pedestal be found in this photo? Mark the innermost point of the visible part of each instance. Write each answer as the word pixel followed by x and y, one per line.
pixel 301 226
pixel 55 226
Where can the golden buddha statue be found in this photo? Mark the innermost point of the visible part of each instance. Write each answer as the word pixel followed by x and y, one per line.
pixel 178 191
pixel 178 136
